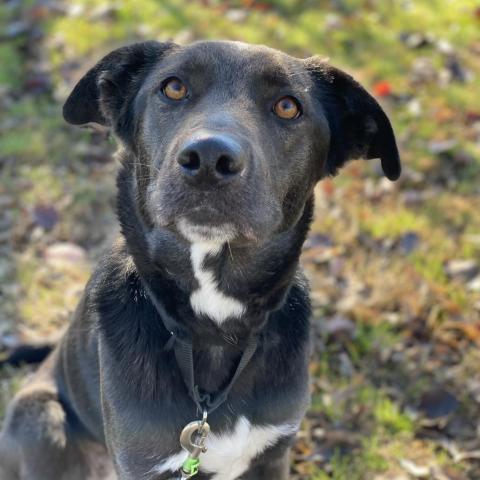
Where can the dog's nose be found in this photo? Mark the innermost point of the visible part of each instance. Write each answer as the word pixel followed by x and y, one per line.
pixel 212 159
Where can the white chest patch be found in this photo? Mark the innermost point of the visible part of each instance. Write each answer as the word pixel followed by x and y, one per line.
pixel 229 455
pixel 208 299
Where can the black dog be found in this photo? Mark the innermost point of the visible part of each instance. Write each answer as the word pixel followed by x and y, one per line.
pixel 200 307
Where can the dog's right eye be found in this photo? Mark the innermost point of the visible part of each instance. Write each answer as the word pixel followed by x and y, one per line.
pixel 287 108
pixel 174 89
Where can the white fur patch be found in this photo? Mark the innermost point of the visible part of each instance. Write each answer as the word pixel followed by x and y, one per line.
pixel 208 299
pixel 229 455
pixel 204 233
pixel 171 464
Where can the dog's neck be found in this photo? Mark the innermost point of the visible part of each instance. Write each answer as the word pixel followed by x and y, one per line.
pixel 212 289
pixel 260 287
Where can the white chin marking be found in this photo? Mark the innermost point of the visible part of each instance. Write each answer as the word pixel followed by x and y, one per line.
pixel 205 234
pixel 208 299
pixel 229 455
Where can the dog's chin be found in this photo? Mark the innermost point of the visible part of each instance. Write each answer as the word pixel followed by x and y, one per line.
pixel 196 233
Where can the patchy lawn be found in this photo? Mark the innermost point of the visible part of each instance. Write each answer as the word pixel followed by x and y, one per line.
pixel 395 268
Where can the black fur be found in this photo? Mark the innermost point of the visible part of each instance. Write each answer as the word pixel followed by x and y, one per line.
pixel 359 127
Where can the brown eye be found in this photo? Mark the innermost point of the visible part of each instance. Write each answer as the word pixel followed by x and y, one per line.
pixel 174 89
pixel 287 108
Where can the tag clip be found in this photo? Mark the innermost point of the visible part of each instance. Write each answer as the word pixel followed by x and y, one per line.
pixel 192 440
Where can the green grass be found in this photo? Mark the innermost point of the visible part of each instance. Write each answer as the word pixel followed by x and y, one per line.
pixel 388 417
pixel 41 161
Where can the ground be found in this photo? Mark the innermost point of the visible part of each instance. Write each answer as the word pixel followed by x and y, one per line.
pixel 394 268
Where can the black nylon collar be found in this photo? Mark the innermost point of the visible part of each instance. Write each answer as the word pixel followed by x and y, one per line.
pixel 182 343
pixel 205 402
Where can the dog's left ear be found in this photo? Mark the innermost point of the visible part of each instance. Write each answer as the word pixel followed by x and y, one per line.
pixel 359 128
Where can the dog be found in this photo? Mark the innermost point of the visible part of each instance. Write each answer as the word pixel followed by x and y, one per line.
pixel 196 323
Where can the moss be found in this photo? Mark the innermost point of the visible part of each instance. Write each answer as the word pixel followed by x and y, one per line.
pixel 391 223
pixel 370 337
pixel 389 417
pixel 357 466
pixel 44 186
pixel 11 70
pixel 45 302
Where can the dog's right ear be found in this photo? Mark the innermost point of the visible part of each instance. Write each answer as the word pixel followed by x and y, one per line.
pixel 359 128
pixel 104 93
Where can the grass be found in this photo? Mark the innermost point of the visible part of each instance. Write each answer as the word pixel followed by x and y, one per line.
pixel 413 326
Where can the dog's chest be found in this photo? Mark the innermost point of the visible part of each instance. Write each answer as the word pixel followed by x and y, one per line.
pixel 208 299
pixel 229 455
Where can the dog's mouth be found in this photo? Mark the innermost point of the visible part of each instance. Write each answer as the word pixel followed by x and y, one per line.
pixel 214 230
pixel 197 233
pixel 239 216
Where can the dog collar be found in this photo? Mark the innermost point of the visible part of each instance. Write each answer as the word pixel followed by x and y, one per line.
pixel 206 402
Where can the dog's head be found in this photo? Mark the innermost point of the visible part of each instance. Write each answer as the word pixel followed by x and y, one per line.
pixel 227 139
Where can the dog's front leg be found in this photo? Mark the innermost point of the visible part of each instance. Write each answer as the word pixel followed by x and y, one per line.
pixel 35 443
pixel 273 464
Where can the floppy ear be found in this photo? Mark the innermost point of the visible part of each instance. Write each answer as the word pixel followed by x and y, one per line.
pixel 359 128
pixel 104 94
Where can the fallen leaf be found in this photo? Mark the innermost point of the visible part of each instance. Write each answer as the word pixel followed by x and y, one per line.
pixel 474 284
pixel 438 403
pixel 317 240
pixel 415 39
pixel 470 330
pixel 441 146
pixel 463 269
pixel 340 326
pixel 382 89
pixel 45 216
pixel 415 470
pixel 408 242
pixel 65 252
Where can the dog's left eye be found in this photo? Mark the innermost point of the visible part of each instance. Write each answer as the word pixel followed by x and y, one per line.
pixel 287 108
pixel 174 89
